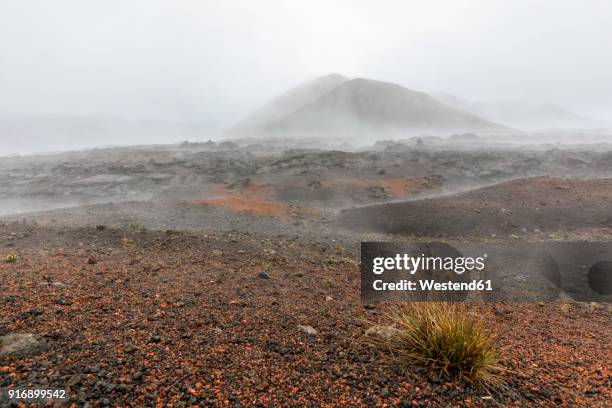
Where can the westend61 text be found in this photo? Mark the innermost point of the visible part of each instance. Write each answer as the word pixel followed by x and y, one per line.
pixel 429 285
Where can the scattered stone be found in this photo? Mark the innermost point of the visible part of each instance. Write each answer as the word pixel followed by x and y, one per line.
pixel 17 343
pixel 239 183
pixel 91 260
pixel 130 348
pixel 100 227
pixel 74 380
pixel 308 329
pixel 263 275
pixel 377 192
pixel 329 298
pixel 383 332
pixel 62 302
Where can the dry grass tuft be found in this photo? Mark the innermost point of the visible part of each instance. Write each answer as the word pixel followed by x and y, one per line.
pixel 442 337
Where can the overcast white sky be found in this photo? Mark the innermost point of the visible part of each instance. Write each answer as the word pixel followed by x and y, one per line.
pixel 214 61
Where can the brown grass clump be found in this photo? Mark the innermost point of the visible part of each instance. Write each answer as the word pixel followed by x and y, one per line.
pixel 442 337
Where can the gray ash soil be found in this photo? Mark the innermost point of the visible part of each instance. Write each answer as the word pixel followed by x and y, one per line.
pixel 272 188
pixel 323 178
pixel 534 209
pixel 540 204
pixel 175 215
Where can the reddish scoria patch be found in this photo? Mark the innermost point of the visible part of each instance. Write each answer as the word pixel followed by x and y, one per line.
pixel 254 199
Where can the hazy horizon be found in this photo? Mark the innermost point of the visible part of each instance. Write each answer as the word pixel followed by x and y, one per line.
pixel 211 64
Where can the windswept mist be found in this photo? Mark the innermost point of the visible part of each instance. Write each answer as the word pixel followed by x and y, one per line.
pixel 201 67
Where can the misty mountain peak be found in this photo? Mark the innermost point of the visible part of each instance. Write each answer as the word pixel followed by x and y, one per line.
pixel 287 103
pixel 333 104
pixel 334 76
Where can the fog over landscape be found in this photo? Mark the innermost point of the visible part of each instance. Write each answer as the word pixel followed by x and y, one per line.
pixel 209 203
pixel 78 74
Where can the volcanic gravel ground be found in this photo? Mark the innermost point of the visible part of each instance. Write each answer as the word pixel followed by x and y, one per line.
pixel 539 204
pixel 130 317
